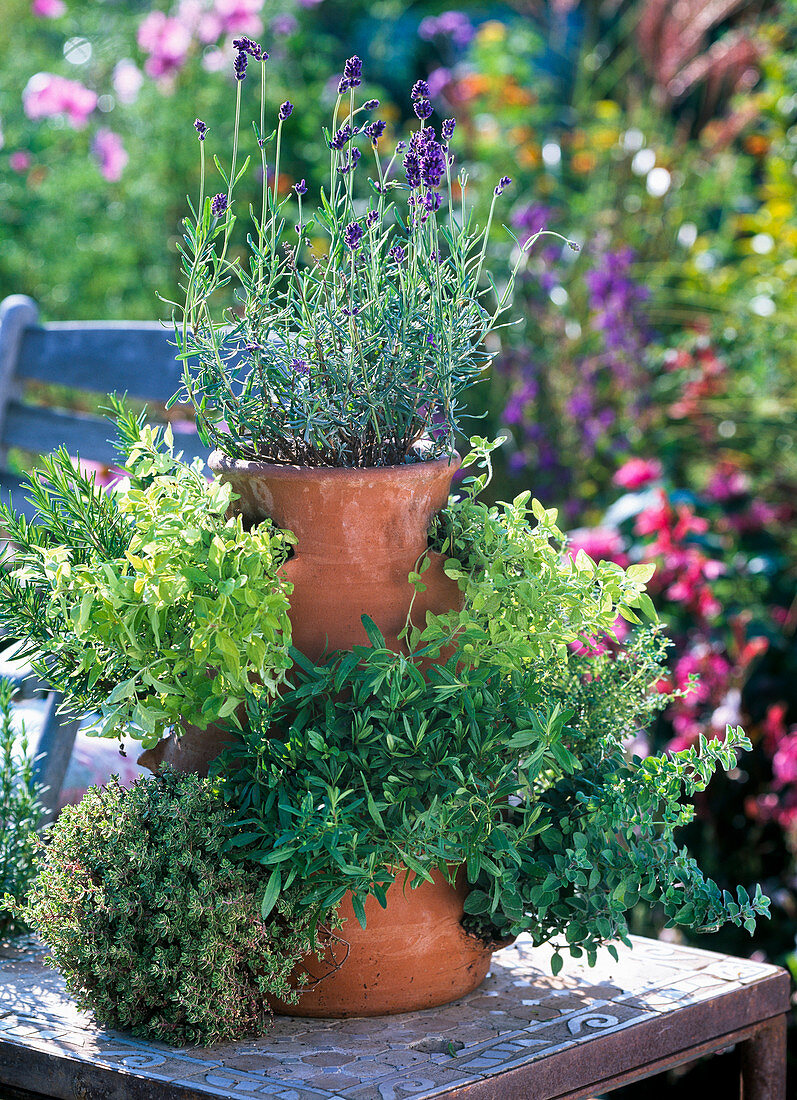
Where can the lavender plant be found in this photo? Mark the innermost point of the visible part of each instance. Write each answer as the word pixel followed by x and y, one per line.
pixel 354 330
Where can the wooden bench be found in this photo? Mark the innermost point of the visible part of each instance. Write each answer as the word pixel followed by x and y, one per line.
pixel 96 357
pixel 522 1035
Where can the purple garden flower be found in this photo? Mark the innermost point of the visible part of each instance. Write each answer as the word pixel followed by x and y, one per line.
pixel 420 90
pixel 375 130
pixel 341 137
pixel 286 110
pixel 433 163
pixel 352 75
pixel 247 45
pixel 300 188
pixel 300 366
pixel 350 163
pixel 422 108
pixel 353 235
pixel 200 128
pixel 218 205
pixel 502 184
pixel 370 104
pixel 448 128
pixel 372 218
pixel 240 65
pixel 397 253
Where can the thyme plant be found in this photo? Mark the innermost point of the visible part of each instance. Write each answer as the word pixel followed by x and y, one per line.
pixel 356 326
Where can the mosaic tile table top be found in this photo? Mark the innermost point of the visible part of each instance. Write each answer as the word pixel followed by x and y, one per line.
pixel 659 998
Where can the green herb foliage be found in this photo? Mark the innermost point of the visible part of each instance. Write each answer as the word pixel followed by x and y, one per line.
pixel 368 768
pixel 20 813
pixel 151 925
pixel 127 601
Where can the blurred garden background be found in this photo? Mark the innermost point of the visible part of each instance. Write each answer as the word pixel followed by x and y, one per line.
pixel 649 388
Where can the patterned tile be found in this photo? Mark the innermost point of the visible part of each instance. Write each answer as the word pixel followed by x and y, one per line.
pixel 520 1014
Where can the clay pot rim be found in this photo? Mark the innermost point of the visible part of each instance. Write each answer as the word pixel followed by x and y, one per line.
pixel 219 462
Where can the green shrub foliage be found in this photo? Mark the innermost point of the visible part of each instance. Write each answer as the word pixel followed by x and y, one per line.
pixel 154 929
pixel 127 600
pixel 19 816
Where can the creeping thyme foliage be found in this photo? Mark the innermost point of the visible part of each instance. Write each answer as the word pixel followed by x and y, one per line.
pixel 380 291
pixel 154 929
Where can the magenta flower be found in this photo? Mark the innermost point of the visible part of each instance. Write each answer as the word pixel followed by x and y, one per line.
pixel 637 472
pixel 167 40
pixel 110 154
pixel 48 9
pixel 20 161
pixel 46 95
pixel 601 543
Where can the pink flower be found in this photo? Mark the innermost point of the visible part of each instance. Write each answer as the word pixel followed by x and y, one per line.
pixel 48 9
pixel 601 543
pixel 231 17
pixel 46 95
pixel 127 80
pixel 166 40
pixel 784 762
pixel 727 481
pixel 637 472
pixel 110 154
pixel 20 161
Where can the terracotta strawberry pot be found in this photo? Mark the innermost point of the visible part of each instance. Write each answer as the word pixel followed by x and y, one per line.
pixel 360 533
pixel 414 954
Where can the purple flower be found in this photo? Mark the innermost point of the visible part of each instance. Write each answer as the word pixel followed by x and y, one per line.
pixel 240 65
pixel 353 235
pixel 448 128
pixel 372 218
pixel 341 137
pixel 422 108
pixel 412 168
pixel 300 188
pixel 439 79
pixel 531 218
pixel 350 163
pixel 431 201
pixel 300 366
pixel 451 24
pixel 200 128
pixel 503 183
pixel 397 253
pixel 286 110
pixel 248 46
pixel 433 163
pixel 375 130
pixel 352 75
pixel 370 104
pixel 218 205
pixel 284 25
pixel 420 90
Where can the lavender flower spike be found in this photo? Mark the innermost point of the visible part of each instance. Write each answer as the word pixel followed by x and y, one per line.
pixel 341 137
pixel 240 65
pixel 370 104
pixel 503 183
pixel 375 130
pixel 218 205
pixel 247 45
pixel 420 90
pixel 300 188
pixel 353 235
pixel 448 128
pixel 200 128
pixel 286 110
pixel 353 71
pixel 422 108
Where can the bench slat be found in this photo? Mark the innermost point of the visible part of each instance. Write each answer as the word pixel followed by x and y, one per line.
pixel 41 430
pixel 103 357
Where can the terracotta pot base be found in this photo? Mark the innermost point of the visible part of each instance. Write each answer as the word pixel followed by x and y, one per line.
pixel 412 955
